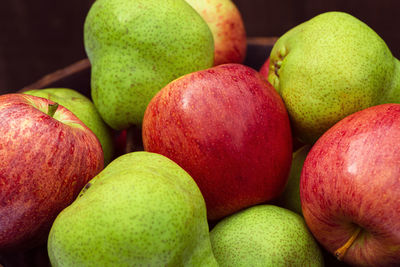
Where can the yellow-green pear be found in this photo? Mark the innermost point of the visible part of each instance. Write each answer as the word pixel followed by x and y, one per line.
pixel 85 110
pixel 265 235
pixel 141 210
pixel 290 198
pixel 136 47
pixel 329 67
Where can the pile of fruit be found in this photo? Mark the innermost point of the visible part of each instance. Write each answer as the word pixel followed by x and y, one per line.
pixel 279 166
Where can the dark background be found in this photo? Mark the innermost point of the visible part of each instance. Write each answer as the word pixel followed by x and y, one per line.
pixel 39 37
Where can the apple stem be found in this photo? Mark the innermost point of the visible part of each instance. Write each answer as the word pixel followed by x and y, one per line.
pixel 52 109
pixel 340 252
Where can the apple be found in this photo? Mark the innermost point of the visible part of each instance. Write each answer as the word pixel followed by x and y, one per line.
pixel 227 27
pixel 264 70
pixel 85 110
pixel 47 155
pixel 128 140
pixel 229 130
pixel 350 187
pixel 120 142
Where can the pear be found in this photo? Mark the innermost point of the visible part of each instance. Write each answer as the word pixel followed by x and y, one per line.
pixel 290 198
pixel 329 67
pixel 265 235
pixel 136 47
pixel 141 210
pixel 85 110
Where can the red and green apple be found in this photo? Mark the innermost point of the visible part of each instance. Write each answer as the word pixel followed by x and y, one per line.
pixel 229 129
pixel 227 27
pixel 350 187
pixel 47 155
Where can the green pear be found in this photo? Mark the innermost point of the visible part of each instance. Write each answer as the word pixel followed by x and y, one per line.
pixel 329 67
pixel 141 210
pixel 136 47
pixel 85 110
pixel 290 198
pixel 265 235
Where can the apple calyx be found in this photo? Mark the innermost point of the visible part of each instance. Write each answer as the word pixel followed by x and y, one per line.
pixel 341 252
pixel 52 108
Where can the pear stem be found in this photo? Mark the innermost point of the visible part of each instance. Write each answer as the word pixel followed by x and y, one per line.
pixel 341 252
pixel 52 108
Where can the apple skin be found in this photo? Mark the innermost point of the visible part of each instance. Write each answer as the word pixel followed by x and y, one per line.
pixel 227 27
pixel 229 130
pixel 351 179
pixel 85 110
pixel 264 70
pixel 44 163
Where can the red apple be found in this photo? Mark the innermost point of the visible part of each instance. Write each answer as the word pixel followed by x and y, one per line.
pixel 120 142
pixel 350 188
pixel 264 70
pixel 227 27
pixel 47 155
pixel 229 129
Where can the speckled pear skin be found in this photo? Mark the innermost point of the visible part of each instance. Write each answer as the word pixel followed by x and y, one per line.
pixel 392 94
pixel 329 67
pixel 136 47
pixel 141 210
pixel 290 198
pixel 265 235
pixel 85 110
